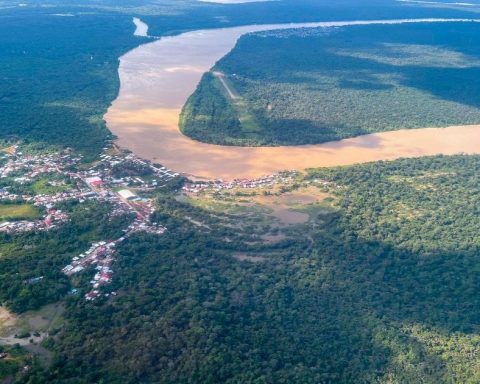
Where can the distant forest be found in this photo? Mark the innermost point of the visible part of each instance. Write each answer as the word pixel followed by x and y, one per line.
pixel 59 73
pixel 58 76
pixel 312 86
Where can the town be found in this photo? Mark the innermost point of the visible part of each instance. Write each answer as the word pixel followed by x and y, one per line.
pixel 119 178
pixel 102 182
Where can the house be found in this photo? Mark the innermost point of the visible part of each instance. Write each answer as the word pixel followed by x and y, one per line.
pixel 94 181
pixel 127 194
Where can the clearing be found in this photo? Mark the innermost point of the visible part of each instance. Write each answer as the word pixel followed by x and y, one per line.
pixel 20 211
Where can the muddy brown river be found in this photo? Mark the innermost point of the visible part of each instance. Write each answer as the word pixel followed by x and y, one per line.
pixel 157 79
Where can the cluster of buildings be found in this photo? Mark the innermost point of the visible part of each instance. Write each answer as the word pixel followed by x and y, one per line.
pixel 49 201
pixel 23 170
pixel 144 226
pixel 52 216
pixel 6 195
pixel 117 179
pixel 101 255
pixel 218 185
pixel 30 166
pixel 158 175
pixel 50 220
pixel 97 183
pixel 103 185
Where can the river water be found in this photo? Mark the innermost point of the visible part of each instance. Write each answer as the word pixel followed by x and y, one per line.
pixel 157 79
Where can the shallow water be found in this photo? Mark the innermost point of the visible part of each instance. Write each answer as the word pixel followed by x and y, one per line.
pixel 157 79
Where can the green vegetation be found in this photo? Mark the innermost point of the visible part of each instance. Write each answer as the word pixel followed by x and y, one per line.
pixel 59 74
pixel 379 287
pixel 175 16
pixel 49 184
pixel 25 257
pixel 13 360
pixel 313 86
pixel 209 110
pixel 131 168
pixel 45 184
pixel 18 211
pixel 45 319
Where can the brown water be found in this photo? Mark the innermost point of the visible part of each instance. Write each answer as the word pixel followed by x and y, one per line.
pixel 157 79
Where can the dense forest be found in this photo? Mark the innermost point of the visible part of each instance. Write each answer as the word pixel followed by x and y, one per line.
pixel 312 86
pixel 379 288
pixel 58 63
pixel 175 16
pixel 58 75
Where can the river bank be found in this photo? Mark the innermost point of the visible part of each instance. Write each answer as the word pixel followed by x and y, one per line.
pixel 157 79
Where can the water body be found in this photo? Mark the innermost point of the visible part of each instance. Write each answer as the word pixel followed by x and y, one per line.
pixel 437 3
pixel 234 1
pixel 157 79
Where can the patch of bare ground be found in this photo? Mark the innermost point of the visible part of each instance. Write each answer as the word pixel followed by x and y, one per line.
pixel 35 325
pixel 284 206
pixel 197 223
pixel 7 320
pixel 262 208
pixel 273 239
pixel 250 258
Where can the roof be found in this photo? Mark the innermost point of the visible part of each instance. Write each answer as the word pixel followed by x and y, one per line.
pixel 126 194
pixel 94 180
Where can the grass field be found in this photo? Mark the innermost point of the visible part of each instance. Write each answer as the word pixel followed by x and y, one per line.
pixel 45 186
pixel 18 212
pixel 45 319
pixel 275 212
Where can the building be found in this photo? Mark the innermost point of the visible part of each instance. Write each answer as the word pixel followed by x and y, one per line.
pixel 127 194
pixel 95 181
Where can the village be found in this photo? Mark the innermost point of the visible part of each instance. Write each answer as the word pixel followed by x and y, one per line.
pixel 98 182
pixel 95 183
pixel 286 177
pixel 119 178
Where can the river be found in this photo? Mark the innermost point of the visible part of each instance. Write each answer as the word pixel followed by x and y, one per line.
pixel 157 78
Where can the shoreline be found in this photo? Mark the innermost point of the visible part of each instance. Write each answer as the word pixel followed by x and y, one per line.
pixel 156 82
